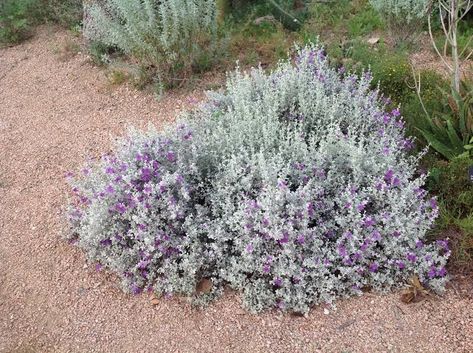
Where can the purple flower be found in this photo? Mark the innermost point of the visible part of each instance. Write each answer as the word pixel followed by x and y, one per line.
pixel 171 156
pixel 433 203
pixel 373 267
pixel 120 208
pixel 342 251
pixel 407 144
pixel 376 235
pixel 443 244
pixel 109 170
pixel 356 256
pixel 135 289
pixel 368 222
pixel 85 200
pixel 301 239
pixel 432 272
pixel 330 234
pixel 400 264
pixel 249 248
pixel 285 238
pixel 396 182
pixel 419 244
pixel 109 189
pixel 277 282
pixel 282 184
pixel 442 272
pixel 106 242
pixel 98 267
pixel 310 209
pixel 411 257
pixel 146 175
pixel 396 112
pixel 266 268
pixel 361 206
pixel 388 176
pixel 365 245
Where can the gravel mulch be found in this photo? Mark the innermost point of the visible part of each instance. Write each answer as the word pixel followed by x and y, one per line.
pixel 55 113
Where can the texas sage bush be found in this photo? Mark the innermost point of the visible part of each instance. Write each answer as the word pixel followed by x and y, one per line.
pixel 404 17
pixel 165 37
pixel 294 187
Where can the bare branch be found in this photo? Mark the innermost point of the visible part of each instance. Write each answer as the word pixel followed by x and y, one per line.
pixel 435 46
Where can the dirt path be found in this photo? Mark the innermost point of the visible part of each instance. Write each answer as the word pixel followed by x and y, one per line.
pixel 52 115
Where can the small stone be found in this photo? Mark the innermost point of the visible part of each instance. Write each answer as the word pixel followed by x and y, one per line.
pixel 264 19
pixel 326 311
pixel 373 40
pixel 154 301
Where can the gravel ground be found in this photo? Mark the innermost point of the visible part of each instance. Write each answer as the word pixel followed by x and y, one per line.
pixel 53 114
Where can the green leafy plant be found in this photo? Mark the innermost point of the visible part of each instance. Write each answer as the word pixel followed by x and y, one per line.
pixel 18 17
pixel 450 133
pixel 450 182
pixel 343 18
pixel 14 21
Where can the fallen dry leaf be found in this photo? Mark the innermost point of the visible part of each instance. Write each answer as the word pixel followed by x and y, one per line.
pixel 415 292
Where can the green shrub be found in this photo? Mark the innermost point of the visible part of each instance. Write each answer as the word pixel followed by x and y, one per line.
pixel 390 70
pixel 393 73
pixel 67 13
pixel 432 99
pixel 344 17
pixel 450 181
pixel 451 133
pixel 15 22
pixel 17 17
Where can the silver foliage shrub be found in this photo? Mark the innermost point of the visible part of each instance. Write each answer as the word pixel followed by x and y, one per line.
pixel 157 33
pixel 293 187
pixel 403 10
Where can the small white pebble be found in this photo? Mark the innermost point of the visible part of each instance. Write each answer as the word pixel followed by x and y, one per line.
pixel 326 311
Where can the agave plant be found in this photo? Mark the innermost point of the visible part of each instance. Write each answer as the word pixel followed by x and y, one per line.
pixel 451 134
